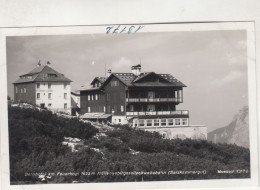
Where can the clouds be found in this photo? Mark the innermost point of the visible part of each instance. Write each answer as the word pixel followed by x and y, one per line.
pixel 122 64
pixel 231 77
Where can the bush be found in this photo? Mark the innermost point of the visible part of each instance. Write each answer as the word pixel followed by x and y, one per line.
pixel 35 144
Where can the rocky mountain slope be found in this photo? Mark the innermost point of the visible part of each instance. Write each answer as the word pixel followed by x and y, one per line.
pixel 237 132
pixel 53 148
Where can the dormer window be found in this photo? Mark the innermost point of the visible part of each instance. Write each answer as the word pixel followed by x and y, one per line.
pixel 52 75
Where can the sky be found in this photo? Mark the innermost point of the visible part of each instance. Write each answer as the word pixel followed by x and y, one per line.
pixel 213 64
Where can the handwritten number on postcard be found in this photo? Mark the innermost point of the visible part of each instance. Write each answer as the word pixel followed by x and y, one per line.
pixel 123 29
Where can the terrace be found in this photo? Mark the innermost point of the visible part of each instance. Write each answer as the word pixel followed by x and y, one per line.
pixel 151 113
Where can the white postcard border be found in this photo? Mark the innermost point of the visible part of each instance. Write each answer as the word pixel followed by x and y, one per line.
pixel 28 31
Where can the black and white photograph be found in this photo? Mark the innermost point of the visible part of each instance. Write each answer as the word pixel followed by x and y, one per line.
pixel 131 103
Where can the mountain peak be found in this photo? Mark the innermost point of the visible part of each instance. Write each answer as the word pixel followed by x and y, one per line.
pixel 237 132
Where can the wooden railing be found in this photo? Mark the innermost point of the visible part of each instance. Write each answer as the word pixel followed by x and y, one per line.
pixel 141 113
pixel 154 100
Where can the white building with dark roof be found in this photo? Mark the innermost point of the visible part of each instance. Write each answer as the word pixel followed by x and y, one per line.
pixel 45 87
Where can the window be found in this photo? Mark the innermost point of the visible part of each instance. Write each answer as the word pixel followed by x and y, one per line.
pixel 44 75
pixel 96 97
pixel 49 85
pixel 170 122
pixel 65 105
pixel 119 120
pixel 131 107
pixel 141 122
pixel 114 83
pixel 24 90
pixel 104 109
pixel 65 85
pixel 149 122
pixel 184 121
pixel 16 90
pixel 65 95
pixel 156 122
pixel 177 122
pixel 52 75
pixel 88 97
pixel 49 105
pixel 89 109
pixel 122 108
pixel 38 96
pixel 49 95
pixel 21 90
pixel 38 85
pixel 163 122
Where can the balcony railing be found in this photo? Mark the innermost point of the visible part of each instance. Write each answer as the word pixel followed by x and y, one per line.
pixel 153 99
pixel 143 113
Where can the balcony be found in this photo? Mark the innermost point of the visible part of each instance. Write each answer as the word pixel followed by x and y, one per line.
pixel 147 113
pixel 178 100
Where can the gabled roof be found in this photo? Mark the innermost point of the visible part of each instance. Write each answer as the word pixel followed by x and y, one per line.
pixel 75 93
pixel 142 75
pixel 100 79
pixel 40 74
pixel 126 78
pixel 130 79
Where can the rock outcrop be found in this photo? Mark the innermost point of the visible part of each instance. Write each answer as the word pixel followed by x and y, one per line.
pixel 237 132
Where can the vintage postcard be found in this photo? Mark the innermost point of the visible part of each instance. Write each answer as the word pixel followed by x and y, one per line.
pixel 147 105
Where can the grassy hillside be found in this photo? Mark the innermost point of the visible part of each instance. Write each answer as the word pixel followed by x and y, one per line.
pixel 122 154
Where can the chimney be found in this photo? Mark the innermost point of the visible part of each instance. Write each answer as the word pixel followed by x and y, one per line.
pixel 136 69
pixel 48 63
pixel 39 63
pixel 109 72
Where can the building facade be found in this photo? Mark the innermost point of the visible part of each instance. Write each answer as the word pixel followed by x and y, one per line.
pixel 147 101
pixel 45 87
pixel 75 103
